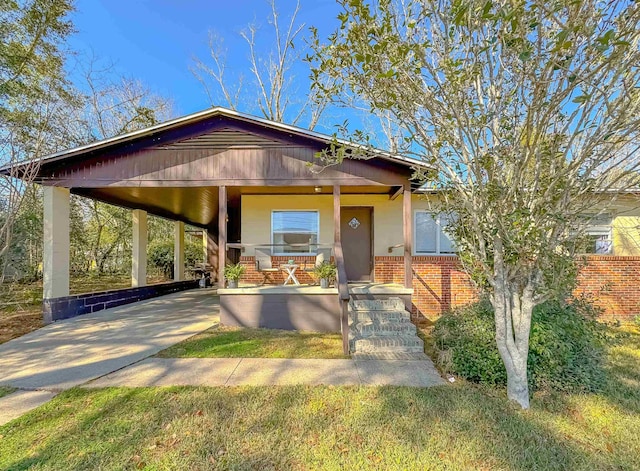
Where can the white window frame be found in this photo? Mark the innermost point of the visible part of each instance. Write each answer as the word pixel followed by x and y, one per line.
pixel 415 235
pixel 274 251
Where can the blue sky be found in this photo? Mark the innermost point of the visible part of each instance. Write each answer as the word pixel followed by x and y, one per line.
pixel 156 40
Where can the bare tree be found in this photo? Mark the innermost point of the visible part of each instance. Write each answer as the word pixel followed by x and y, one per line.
pixel 272 80
pixel 524 110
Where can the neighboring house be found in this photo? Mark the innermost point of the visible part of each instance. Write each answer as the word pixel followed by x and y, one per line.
pixel 254 185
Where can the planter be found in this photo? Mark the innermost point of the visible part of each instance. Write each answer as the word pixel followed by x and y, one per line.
pixel 324 282
pixel 232 283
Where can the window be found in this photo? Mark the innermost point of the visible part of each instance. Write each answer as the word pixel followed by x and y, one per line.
pixel 294 232
pixel 598 235
pixel 430 235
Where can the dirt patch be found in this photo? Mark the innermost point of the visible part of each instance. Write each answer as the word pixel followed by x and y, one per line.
pixel 15 324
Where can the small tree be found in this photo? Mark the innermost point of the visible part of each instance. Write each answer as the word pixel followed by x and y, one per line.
pixel 528 113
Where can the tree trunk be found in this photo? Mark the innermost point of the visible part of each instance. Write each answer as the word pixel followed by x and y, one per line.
pixel 513 325
pixel 513 306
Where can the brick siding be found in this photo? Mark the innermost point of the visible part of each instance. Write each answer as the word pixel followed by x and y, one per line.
pixel 439 283
pixel 304 261
pixel 613 283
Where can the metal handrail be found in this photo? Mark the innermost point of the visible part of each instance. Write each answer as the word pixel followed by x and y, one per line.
pixel 391 247
pixel 242 246
pixel 343 293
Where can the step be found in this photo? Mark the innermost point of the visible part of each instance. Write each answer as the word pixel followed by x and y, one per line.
pixel 390 304
pixel 416 356
pixel 381 344
pixel 367 316
pixel 383 327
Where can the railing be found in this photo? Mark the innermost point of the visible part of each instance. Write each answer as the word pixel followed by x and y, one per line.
pixel 242 246
pixel 391 247
pixel 343 296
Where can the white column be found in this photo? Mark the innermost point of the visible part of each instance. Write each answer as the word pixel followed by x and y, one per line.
pixel 55 269
pixel 205 246
pixel 178 251
pixel 139 253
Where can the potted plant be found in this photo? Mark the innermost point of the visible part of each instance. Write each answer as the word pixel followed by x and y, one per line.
pixel 325 272
pixel 232 274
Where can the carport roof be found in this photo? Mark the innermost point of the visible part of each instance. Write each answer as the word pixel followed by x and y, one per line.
pixel 211 113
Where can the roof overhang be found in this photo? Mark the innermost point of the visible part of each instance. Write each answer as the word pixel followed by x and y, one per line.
pixel 212 113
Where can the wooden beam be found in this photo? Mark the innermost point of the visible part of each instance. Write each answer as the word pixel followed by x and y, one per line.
pixel 407 227
pixel 336 213
pixel 222 233
pixel 394 194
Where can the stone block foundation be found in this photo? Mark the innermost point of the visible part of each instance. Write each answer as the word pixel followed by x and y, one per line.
pixel 70 306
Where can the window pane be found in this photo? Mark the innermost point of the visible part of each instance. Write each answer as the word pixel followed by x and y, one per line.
pixel 599 244
pixel 426 233
pixel 295 221
pixel 446 243
pixel 295 231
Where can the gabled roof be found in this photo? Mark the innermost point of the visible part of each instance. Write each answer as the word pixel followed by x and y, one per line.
pixel 211 113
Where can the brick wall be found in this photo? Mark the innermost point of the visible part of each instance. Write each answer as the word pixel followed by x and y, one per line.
pixel 253 276
pixel 613 283
pixel 440 284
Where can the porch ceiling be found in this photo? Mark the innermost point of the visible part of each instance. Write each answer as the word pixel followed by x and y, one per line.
pixel 199 205
pixel 194 205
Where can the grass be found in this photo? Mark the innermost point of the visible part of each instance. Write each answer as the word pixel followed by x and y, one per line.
pixel 457 426
pixel 21 303
pixel 230 342
pixel 6 390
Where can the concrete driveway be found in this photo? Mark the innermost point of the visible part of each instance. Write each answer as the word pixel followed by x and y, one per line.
pixel 73 351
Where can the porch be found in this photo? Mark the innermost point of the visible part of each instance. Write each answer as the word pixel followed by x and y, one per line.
pixel 304 307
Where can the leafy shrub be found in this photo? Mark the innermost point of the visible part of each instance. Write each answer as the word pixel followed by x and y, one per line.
pixel 160 255
pixel 566 346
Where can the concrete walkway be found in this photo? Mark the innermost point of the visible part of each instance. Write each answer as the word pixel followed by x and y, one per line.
pixel 73 351
pixel 271 371
pixel 113 348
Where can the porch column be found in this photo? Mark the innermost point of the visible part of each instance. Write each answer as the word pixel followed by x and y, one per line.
pixel 205 246
pixel 222 234
pixel 55 263
pixel 178 251
pixel 139 252
pixel 336 214
pixel 407 227
pixel 211 253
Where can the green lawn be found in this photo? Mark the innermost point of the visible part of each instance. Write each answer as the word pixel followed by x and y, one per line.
pixel 459 426
pixel 6 390
pixel 230 342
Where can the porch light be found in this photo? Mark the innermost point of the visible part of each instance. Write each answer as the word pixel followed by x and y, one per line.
pixel 317 189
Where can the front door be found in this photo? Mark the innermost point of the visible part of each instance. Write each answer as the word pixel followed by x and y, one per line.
pixel 355 229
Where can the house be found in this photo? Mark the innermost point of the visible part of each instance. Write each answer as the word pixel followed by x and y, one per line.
pixel 254 185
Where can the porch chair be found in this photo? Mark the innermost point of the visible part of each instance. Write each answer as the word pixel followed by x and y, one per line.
pixel 323 255
pixel 264 265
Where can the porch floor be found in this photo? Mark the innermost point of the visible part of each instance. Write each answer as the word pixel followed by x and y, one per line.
pixel 359 288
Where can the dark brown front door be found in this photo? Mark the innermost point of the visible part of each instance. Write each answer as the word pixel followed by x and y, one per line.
pixel 355 229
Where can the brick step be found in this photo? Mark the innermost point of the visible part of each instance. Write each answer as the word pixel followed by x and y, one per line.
pixel 387 344
pixel 372 316
pixel 383 327
pixel 390 304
